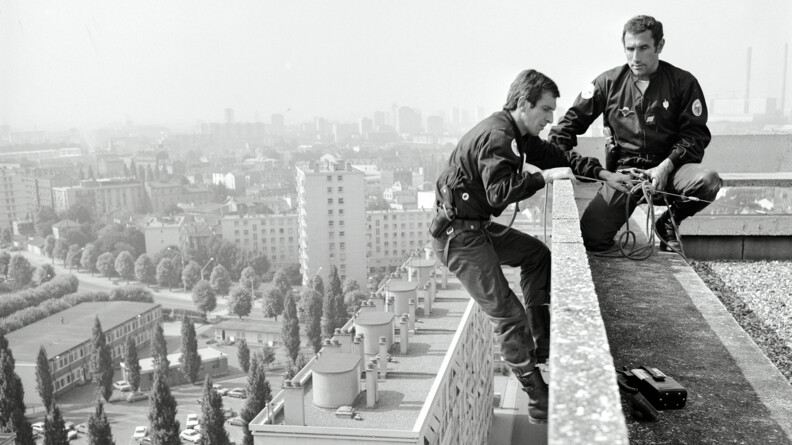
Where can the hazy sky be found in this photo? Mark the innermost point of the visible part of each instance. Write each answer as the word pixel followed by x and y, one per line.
pixel 75 63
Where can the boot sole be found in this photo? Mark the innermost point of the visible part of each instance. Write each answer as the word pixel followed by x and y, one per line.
pixel 535 421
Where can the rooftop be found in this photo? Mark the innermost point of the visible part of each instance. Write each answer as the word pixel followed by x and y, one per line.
pixel 147 364
pixel 64 330
pixel 410 377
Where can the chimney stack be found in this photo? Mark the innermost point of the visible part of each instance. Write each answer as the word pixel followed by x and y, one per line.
pixel 344 339
pixel 293 402
pixel 383 357
pixel 371 385
pixel 412 314
pixel 425 293
pixel 404 334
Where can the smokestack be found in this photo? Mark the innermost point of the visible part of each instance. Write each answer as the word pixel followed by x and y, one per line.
pixel 403 334
pixel 357 345
pixel 748 80
pixel 784 78
pixel 344 339
pixel 383 357
pixel 425 293
pixel 293 402
pixel 371 385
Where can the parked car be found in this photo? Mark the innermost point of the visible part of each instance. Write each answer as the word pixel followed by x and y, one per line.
pixel 82 428
pixel 122 386
pixel 228 413
pixel 236 421
pixel 68 426
pixel 220 390
pixel 190 436
pixel 238 392
pixel 135 396
pixel 140 433
pixel 71 434
pixel 38 427
pixel 192 420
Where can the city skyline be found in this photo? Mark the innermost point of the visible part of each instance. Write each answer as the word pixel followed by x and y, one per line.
pixel 77 64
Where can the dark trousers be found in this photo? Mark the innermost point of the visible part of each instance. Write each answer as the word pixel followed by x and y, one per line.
pixel 475 257
pixel 606 213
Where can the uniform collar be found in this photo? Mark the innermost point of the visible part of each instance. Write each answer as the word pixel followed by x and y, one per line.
pixel 515 128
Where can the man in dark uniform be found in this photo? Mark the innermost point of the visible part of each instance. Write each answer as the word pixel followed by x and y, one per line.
pixel 485 174
pixel 654 119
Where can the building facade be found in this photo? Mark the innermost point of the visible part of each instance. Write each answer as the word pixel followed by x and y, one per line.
pixel 332 219
pixel 276 236
pixel 101 196
pixel 13 202
pixel 391 235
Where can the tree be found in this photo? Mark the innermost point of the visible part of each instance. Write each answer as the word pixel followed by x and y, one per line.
pixel 259 394
pixel 162 414
pixel 353 301
pixel 61 250
pixel 125 265
pixel 12 407
pixel 78 212
pixel 336 295
pixel 268 355
pixel 101 362
pixel 99 428
pixel 105 264
pixel 6 237
pixel 212 420
pixel 131 363
pixel 204 297
pixel 160 353
pixel 145 271
pixel 190 360
pixel 191 275
pixel 44 218
pixel 291 326
pixel 20 270
pixel 318 285
pixel 165 273
pixel 328 316
pixel 249 279
pixel 5 260
pixel 89 257
pixel 54 428
pixel 350 285
pixel 72 257
pixel 260 263
pixel 44 379
pixel 49 246
pixel 313 318
pixel 240 302
pixel 43 273
pixel 220 280
pixel 281 281
pixel 243 354
pixel 294 274
pixel 272 305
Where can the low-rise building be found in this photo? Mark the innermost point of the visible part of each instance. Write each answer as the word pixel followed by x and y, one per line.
pixel 66 336
pixel 255 332
pixel 213 362
pixel 276 236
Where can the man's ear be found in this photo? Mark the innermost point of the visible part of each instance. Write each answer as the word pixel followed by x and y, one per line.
pixel 660 45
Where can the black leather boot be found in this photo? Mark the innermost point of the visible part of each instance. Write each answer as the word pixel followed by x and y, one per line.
pixel 664 229
pixel 538 394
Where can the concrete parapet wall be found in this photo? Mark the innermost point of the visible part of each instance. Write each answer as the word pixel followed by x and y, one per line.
pixel 585 404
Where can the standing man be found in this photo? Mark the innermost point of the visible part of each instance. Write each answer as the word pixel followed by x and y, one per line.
pixel 654 119
pixel 484 175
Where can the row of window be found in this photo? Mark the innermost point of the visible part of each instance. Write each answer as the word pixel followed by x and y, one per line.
pixel 340 200
pixel 263 222
pixel 330 189
pixel 330 178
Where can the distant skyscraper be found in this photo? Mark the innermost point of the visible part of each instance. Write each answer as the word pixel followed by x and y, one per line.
pixel 434 125
pixel 332 219
pixel 229 115
pixel 409 121
pixel 365 126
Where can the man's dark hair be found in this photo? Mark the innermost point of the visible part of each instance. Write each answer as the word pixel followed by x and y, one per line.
pixel 641 23
pixel 531 85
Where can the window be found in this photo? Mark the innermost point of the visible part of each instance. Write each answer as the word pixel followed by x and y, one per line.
pixel 329 189
pixel 329 200
pixel 340 178
pixel 330 212
pixel 340 200
pixel 329 177
pixel 340 189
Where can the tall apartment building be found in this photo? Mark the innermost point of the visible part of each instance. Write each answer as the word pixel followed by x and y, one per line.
pixel 13 201
pixel 332 219
pixel 38 189
pixel 392 234
pixel 101 195
pixel 276 236
pixel 66 336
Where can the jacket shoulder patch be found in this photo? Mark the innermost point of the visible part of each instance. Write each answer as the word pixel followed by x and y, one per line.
pixel 696 108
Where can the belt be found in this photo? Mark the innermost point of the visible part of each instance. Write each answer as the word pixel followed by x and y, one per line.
pixel 462 225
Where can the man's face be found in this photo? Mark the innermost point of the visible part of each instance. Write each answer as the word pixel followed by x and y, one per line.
pixel 642 55
pixel 535 118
